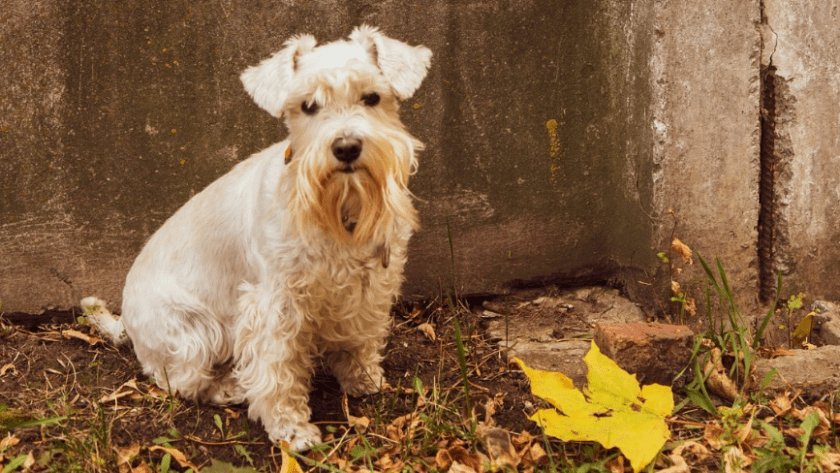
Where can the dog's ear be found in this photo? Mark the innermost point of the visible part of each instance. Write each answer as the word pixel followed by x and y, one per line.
pixel 402 65
pixel 268 82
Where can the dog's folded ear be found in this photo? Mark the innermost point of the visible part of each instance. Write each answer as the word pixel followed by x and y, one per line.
pixel 268 83
pixel 404 66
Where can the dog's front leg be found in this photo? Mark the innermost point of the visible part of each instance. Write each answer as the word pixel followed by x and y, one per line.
pixel 274 365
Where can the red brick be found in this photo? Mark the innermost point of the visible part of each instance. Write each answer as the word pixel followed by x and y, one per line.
pixel 654 352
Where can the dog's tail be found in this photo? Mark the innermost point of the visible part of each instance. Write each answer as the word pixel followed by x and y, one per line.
pixel 105 322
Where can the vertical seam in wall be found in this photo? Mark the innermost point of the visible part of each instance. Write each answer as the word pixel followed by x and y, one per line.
pixel 767 182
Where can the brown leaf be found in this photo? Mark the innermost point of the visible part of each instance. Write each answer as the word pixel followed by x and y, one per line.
pixel 428 330
pixel 443 460
pixel 8 367
pixel 126 454
pixel 8 441
pixel 142 468
pixel 735 461
pixel 675 287
pixel 499 447
pixel 698 451
pixel 360 423
pixel 683 250
pixel 177 455
pixel 712 434
pixel 467 461
pixel 717 380
pixel 91 339
pixel 781 405
pixel 128 389
pixel 690 306
pixel 829 461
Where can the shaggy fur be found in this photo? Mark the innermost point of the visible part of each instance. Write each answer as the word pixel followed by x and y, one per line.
pixel 297 252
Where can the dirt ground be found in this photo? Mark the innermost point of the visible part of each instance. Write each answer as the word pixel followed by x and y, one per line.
pixel 97 390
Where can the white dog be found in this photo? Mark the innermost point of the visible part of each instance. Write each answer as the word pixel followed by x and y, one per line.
pixel 297 252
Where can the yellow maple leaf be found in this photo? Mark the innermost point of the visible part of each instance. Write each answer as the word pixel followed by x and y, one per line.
pixel 613 410
pixel 289 464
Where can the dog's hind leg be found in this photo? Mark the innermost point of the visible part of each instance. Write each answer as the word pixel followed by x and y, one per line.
pixel 185 353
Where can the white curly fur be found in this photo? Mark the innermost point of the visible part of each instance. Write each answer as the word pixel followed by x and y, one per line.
pixel 293 254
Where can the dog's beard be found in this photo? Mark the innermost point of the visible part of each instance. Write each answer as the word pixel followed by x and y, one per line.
pixel 358 206
pixel 350 205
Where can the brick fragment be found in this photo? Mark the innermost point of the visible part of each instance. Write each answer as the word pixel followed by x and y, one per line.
pixel 654 352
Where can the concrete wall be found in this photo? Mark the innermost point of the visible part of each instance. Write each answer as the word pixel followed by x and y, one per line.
pixel 559 134
pixel 706 118
pixel 806 40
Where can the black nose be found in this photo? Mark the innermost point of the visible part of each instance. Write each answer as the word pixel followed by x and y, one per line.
pixel 347 150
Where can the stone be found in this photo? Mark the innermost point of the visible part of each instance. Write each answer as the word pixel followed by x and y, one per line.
pixel 827 322
pixel 814 372
pixel 655 352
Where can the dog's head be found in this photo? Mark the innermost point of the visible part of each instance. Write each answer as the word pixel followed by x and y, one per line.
pixel 349 157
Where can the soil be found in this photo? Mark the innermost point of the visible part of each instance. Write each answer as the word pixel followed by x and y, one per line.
pixel 45 374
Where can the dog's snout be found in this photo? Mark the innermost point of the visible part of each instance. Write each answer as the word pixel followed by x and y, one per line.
pixel 347 150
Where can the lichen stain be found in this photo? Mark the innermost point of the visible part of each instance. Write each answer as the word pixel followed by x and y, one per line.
pixel 554 149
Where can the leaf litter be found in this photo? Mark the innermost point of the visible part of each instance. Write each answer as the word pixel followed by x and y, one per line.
pixel 69 401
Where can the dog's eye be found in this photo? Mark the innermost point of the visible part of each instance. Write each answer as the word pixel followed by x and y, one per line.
pixel 371 99
pixel 309 109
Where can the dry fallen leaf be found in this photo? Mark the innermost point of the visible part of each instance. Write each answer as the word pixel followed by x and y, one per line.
pixel 463 461
pixel 91 339
pixel 677 458
pixel 288 463
pixel 360 423
pixel 735 461
pixel 683 250
pixel 128 389
pixel 176 454
pixel 675 287
pixel 8 441
pixel 781 405
pixel 428 330
pixel 713 434
pixel 499 447
pixel 829 461
pixel 717 380
pixel 8 367
pixel 126 454
pixel 143 467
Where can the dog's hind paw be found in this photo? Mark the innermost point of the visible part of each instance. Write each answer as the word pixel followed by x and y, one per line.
pixel 363 384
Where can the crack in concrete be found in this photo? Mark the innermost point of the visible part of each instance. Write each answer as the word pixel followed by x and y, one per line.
pixel 767 163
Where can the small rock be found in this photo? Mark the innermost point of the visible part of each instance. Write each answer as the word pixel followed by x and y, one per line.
pixel 830 332
pixel 655 352
pixel 815 372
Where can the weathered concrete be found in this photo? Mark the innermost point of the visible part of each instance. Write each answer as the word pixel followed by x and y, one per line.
pixel 559 135
pixel 535 115
pixel 806 41
pixel 706 118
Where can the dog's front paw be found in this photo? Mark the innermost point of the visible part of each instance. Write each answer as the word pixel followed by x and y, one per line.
pixel 300 437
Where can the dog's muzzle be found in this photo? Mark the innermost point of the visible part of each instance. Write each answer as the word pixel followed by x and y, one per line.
pixel 347 150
